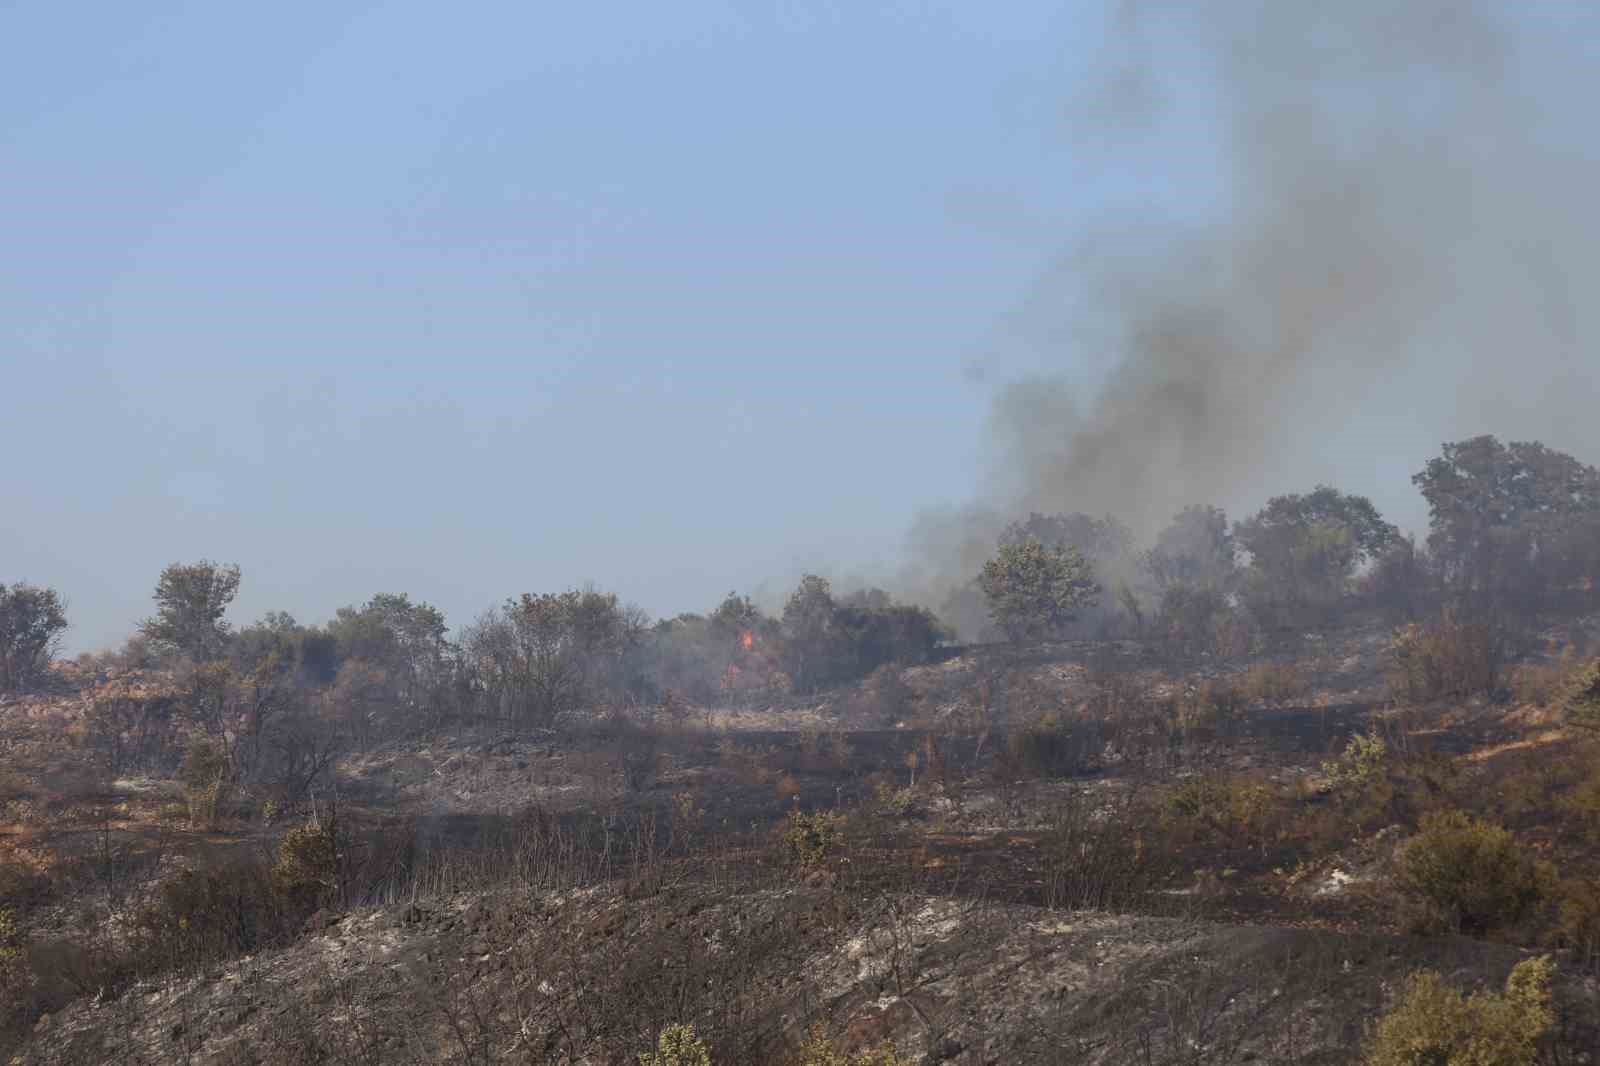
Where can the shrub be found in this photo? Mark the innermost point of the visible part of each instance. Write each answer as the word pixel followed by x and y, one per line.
pixel 1226 805
pixel 1209 707
pixel 207 914
pixel 1051 746
pixel 1446 658
pixel 1471 875
pixel 1435 1025
pixel 677 1046
pixel 1360 764
pixel 893 802
pixel 207 779
pixel 306 872
pixel 1578 920
pixel 1582 704
pixel 1272 683
pixel 810 838
pixel 1544 684
pixel 817 1050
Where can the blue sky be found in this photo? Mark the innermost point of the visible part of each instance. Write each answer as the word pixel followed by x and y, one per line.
pixel 474 299
pixel 466 300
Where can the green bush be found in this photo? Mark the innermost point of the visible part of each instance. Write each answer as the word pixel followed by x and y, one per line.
pixel 1223 804
pixel 810 838
pixel 1360 763
pixel 818 1050
pixel 1435 1025
pixel 1582 703
pixel 677 1046
pixel 1471 875
pixel 307 867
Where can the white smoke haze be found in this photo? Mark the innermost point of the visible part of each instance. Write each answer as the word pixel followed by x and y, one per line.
pixel 1403 250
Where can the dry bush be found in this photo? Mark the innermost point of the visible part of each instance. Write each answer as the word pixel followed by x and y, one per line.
pixel 1232 807
pixel 1102 857
pixel 208 780
pixel 1577 922
pixel 884 698
pixel 1468 875
pixel 1052 745
pixel 749 764
pixel 1545 684
pixel 207 915
pixel 1583 801
pixel 1209 708
pixel 1272 683
pixel 1582 698
pixel 1447 658
pixel 1434 1024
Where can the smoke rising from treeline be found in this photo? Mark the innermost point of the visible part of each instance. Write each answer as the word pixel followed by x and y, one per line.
pixel 1402 251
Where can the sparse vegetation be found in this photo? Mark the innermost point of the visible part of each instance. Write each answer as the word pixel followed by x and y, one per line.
pixel 209 794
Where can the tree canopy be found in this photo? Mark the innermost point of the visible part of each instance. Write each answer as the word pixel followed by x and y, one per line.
pixel 1033 590
pixel 190 602
pixel 32 620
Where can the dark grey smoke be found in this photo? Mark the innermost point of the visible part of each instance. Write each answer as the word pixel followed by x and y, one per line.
pixel 1403 250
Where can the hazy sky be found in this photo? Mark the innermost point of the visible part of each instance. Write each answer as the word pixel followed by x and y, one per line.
pixel 473 299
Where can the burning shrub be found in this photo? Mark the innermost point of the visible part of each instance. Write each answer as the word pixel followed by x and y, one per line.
pixel 1434 1023
pixel 1469 875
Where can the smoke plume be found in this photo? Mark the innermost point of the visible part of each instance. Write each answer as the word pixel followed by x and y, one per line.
pixel 1400 248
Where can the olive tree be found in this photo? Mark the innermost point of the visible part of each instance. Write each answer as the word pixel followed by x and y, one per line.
pixel 1033 590
pixel 190 602
pixel 32 620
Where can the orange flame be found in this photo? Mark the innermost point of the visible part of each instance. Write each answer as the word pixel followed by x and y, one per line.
pixel 747 640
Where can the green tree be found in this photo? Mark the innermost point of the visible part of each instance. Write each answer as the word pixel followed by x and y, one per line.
pixel 32 620
pixel 405 639
pixel 1304 549
pixel 1033 590
pixel 1501 514
pixel 809 638
pixel 546 654
pixel 1196 549
pixel 190 602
